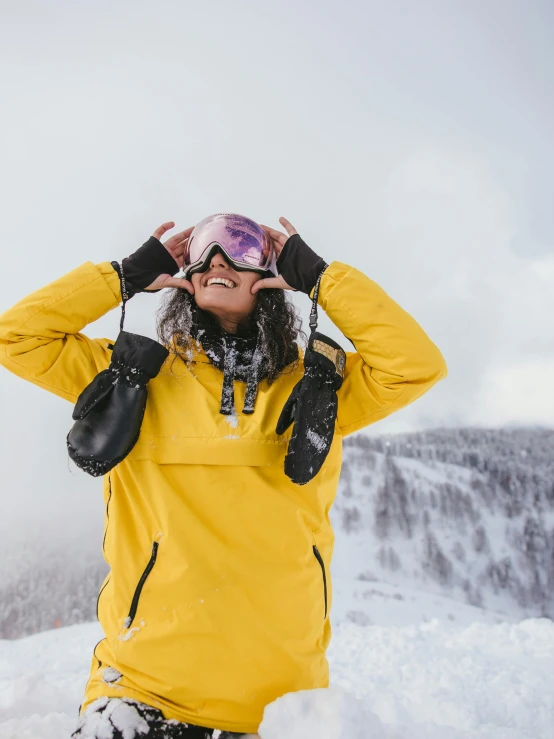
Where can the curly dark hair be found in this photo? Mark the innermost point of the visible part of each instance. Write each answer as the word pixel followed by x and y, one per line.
pixel 275 316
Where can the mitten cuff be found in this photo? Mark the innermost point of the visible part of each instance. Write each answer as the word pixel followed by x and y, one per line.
pixel 139 353
pixel 299 265
pixel 325 353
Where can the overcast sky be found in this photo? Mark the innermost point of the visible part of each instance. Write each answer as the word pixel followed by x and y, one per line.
pixel 413 140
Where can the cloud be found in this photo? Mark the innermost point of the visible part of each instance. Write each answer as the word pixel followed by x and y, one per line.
pixel 522 390
pixel 447 224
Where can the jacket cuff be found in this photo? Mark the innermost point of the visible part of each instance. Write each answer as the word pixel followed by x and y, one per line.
pixel 299 265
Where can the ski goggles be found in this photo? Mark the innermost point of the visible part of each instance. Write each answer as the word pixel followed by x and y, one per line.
pixel 243 242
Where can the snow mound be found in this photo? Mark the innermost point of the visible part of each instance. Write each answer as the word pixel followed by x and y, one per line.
pixel 483 680
pixel 326 714
pixel 334 713
pixel 52 726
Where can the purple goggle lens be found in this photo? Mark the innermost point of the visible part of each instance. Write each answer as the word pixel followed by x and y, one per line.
pixel 243 241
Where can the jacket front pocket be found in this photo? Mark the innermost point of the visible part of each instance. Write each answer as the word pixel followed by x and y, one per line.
pixel 138 590
pixel 322 565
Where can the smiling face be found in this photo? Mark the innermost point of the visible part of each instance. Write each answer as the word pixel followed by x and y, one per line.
pixel 224 292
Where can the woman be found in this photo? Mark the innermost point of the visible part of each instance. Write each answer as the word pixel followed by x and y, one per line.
pixel 217 527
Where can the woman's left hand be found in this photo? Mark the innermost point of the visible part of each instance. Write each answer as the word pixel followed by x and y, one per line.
pixel 278 240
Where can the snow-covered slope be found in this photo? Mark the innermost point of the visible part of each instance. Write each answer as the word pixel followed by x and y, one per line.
pixel 432 681
pixel 467 514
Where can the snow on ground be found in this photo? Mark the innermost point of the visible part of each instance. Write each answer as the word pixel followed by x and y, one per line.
pixel 42 681
pixel 373 602
pixel 435 680
pixel 483 680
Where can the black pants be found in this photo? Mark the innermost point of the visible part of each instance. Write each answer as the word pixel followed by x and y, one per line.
pixel 123 718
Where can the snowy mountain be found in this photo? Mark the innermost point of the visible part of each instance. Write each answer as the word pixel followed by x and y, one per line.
pixel 465 513
pixel 456 524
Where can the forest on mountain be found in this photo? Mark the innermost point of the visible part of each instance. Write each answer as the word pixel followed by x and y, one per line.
pixel 467 512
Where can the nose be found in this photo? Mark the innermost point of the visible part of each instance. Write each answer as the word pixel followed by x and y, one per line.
pixel 218 260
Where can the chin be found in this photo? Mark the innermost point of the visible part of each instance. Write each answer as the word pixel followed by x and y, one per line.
pixel 211 302
pixel 225 300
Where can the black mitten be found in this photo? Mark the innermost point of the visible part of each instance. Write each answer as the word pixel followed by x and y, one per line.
pixel 108 413
pixel 312 406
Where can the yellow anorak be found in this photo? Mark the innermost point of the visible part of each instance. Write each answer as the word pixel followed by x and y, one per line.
pixel 219 593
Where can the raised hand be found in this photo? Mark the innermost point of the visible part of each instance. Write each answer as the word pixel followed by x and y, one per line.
pixel 278 239
pixel 176 246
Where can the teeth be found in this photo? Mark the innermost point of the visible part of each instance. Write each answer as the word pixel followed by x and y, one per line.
pixel 219 281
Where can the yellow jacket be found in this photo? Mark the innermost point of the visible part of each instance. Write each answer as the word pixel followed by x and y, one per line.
pixel 219 593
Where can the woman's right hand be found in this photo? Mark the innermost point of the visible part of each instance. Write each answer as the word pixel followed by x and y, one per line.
pixel 176 246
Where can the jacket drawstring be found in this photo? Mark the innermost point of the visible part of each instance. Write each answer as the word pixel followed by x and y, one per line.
pixel 238 357
pixel 230 354
pixel 253 380
pixel 227 407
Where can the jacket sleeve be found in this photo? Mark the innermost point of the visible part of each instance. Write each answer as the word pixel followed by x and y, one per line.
pixel 395 362
pixel 40 337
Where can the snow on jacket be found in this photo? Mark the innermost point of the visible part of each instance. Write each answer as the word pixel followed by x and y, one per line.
pixel 219 593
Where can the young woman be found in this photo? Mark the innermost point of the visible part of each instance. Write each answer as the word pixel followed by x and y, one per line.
pixel 217 521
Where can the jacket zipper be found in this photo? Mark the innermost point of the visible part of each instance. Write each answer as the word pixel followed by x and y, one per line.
pixel 107 515
pixel 99 594
pixel 147 570
pixel 104 541
pixel 321 564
